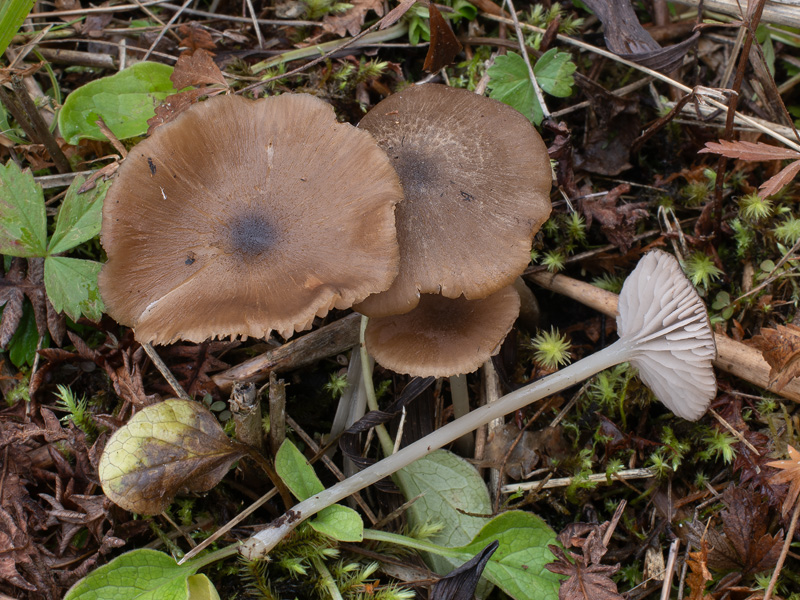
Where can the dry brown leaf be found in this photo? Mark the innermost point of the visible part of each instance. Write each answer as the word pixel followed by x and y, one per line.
pixel 444 43
pixel 749 150
pixel 352 20
pixel 617 222
pixel 749 546
pixel 774 184
pixel 789 473
pixel 195 38
pixel 780 347
pixel 592 582
pixel 175 104
pixel 196 69
pixel 699 574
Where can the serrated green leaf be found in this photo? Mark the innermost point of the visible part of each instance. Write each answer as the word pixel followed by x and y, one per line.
pixel 296 472
pixel 164 448
pixel 554 71
pixel 510 83
pixel 71 285
pixel 125 101
pixel 137 575
pixel 12 15
pixel 23 222
pixel 339 522
pixel 201 588
pixel 450 487
pixel 518 565
pixel 79 217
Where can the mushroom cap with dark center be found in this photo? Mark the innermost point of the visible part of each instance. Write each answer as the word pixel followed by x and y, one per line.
pixel 443 336
pixel 476 178
pixel 240 217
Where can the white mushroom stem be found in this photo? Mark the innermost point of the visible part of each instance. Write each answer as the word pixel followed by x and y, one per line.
pixel 663 325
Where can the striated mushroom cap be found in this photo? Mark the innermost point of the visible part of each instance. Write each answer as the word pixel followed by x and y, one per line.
pixel 443 336
pixel 241 217
pixel 476 179
pixel 664 321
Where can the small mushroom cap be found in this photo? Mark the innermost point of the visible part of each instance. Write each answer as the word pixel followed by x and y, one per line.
pixel 665 321
pixel 443 336
pixel 476 178
pixel 240 217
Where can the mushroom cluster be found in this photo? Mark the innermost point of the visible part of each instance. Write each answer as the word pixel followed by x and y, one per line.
pixel 242 217
pixel 476 178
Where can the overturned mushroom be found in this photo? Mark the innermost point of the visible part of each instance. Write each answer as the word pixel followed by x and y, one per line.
pixel 476 179
pixel 443 336
pixel 664 331
pixel 241 217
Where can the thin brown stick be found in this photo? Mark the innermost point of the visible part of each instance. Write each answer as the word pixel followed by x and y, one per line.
pixel 164 369
pixel 784 551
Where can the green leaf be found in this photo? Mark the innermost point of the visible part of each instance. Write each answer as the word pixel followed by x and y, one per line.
pixel 518 565
pixel 554 72
pixel 137 575
pixel 165 448
pixel 79 217
pixel 510 83
pixel 339 522
pixel 296 472
pixel 201 588
pixel 22 346
pixel 23 222
pixel 12 15
pixel 450 487
pixel 125 101
pixel 71 285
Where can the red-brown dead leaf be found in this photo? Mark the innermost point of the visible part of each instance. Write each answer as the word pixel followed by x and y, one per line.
pixel 746 543
pixel 775 184
pixel 352 20
pixel 585 582
pixel 780 347
pixel 195 38
pixel 617 222
pixel 196 69
pixel 444 43
pixel 749 150
pixel 175 104
pixel 789 473
pixel 699 574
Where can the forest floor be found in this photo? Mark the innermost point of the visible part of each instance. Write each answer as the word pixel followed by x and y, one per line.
pixel 666 129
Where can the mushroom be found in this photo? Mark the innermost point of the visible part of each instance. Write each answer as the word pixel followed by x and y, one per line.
pixel 241 217
pixel 664 331
pixel 476 178
pixel 443 336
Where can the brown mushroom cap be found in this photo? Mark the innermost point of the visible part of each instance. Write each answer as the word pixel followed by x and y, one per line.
pixel 476 179
pixel 443 336
pixel 240 217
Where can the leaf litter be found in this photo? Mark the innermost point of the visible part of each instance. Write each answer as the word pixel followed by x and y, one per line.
pixel 729 500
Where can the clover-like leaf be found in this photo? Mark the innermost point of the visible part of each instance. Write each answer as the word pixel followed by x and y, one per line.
pixel 71 285
pixel 79 217
pixel 23 223
pixel 169 447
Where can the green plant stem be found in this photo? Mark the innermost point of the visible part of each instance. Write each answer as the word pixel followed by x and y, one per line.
pixel 387 445
pixel 327 578
pixel 407 542
pixel 211 557
pixel 376 37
